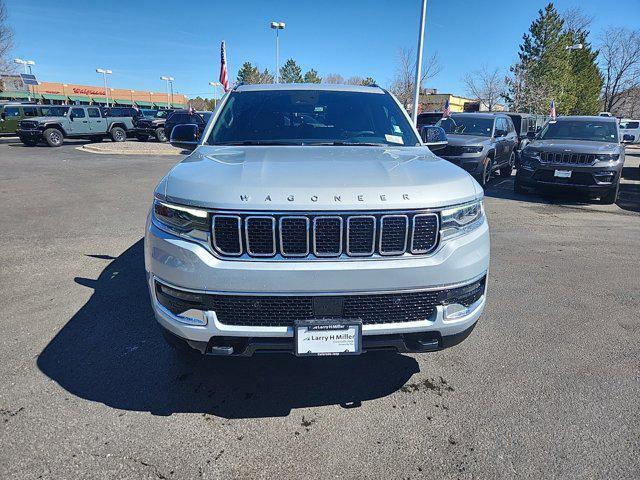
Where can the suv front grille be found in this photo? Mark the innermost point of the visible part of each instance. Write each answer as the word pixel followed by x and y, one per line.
pixel 567 158
pixel 324 235
pixel 28 125
pixel 450 151
pixel 283 311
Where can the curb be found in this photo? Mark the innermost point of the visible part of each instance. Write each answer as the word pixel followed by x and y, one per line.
pixel 101 151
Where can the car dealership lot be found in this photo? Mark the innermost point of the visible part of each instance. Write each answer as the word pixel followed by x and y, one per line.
pixel 547 385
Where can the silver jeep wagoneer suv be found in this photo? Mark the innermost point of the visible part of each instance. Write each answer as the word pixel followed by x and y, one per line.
pixel 313 219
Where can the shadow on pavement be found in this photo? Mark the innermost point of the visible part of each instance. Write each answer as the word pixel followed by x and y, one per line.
pixel 112 352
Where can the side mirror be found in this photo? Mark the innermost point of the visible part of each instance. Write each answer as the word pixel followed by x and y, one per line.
pixel 531 135
pixel 626 138
pixel 500 133
pixel 185 136
pixel 434 137
pixel 538 128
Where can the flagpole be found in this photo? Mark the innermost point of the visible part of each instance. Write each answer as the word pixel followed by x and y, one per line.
pixel 416 93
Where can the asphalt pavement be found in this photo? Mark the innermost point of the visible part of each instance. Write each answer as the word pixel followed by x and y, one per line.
pixel 547 386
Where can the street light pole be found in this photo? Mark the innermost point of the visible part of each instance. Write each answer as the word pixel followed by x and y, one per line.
pixel 105 72
pixel 169 80
pixel 277 26
pixel 416 93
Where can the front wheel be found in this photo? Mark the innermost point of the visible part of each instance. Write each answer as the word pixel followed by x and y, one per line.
pixel 53 137
pixel 485 175
pixel 507 170
pixel 160 135
pixel 118 134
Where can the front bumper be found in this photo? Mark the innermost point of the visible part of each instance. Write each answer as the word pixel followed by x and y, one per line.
pixel 189 266
pixel 29 134
pixel 471 163
pixel 597 178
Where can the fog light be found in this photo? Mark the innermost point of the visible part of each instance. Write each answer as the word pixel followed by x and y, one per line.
pixel 455 310
pixel 194 317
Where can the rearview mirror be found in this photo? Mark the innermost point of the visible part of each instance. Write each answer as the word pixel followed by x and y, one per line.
pixel 434 137
pixel 626 138
pixel 185 136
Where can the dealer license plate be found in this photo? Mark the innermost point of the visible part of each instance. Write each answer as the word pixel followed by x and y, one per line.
pixel 562 173
pixel 328 337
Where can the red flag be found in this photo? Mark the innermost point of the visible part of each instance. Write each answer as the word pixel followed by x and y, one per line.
pixel 224 79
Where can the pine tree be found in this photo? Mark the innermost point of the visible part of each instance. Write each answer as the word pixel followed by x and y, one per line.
pixel 291 72
pixel 368 81
pixel 248 73
pixel 312 77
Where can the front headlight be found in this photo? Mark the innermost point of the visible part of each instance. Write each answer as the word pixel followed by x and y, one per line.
pixel 181 220
pixel 608 157
pixel 472 149
pixel 461 219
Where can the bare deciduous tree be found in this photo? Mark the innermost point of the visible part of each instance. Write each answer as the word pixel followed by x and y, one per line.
pixel 487 86
pixel 6 41
pixel 333 78
pixel 355 80
pixel 576 20
pixel 403 83
pixel 620 62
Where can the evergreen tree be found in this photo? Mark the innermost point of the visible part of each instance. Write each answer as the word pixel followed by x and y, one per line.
pixel 291 72
pixel 250 74
pixel 312 77
pixel 368 81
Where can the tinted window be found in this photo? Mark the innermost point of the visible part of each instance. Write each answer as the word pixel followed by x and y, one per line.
pixel 77 112
pixel 11 112
pixel 595 131
pixel 312 117
pixel 54 111
pixel 518 122
pixel 30 111
pixel 180 118
pixel 467 125
pixel 633 125
pixel 93 112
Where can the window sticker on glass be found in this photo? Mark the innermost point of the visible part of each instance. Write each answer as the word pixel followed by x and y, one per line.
pixel 396 129
pixel 394 139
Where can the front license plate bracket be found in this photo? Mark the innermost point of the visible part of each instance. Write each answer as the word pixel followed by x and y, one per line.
pixel 327 337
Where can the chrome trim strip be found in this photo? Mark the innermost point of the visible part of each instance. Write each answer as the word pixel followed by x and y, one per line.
pixel 373 236
pixel 282 252
pixel 406 235
pixel 247 220
pixel 413 230
pixel 303 293
pixel 331 254
pixel 213 234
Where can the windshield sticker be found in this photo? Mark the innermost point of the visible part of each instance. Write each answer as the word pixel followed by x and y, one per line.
pixel 394 139
pixel 396 129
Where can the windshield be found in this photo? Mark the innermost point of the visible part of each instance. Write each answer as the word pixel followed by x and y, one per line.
pixel 311 117
pixel 467 125
pixel 54 111
pixel 594 131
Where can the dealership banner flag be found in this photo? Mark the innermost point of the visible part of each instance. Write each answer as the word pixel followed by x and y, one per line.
pixel 552 110
pixel 224 78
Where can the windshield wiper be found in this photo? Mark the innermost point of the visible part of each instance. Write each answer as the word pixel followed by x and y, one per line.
pixel 349 144
pixel 258 142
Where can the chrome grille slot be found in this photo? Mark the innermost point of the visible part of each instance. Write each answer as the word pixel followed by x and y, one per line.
pixel 327 236
pixel 394 230
pixel 361 235
pixel 312 236
pixel 425 233
pixel 227 234
pixel 260 232
pixel 294 236
pixel 567 158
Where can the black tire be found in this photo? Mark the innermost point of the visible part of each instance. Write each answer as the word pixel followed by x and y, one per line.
pixel 29 142
pixel 178 345
pixel 118 134
pixel 142 138
pixel 53 137
pixel 517 187
pixel 485 176
pixel 95 138
pixel 611 196
pixel 507 170
pixel 161 136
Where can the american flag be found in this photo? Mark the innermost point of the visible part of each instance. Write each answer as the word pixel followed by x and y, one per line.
pixel 552 111
pixel 224 78
pixel 446 111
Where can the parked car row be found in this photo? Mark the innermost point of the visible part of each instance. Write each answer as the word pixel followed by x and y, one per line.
pixel 52 124
pixel 583 153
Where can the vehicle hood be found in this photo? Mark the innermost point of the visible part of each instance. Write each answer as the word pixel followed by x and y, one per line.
pixel 316 178
pixel 574 146
pixel 43 119
pixel 463 140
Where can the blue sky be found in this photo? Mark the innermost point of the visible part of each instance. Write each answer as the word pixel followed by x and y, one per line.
pixel 141 40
